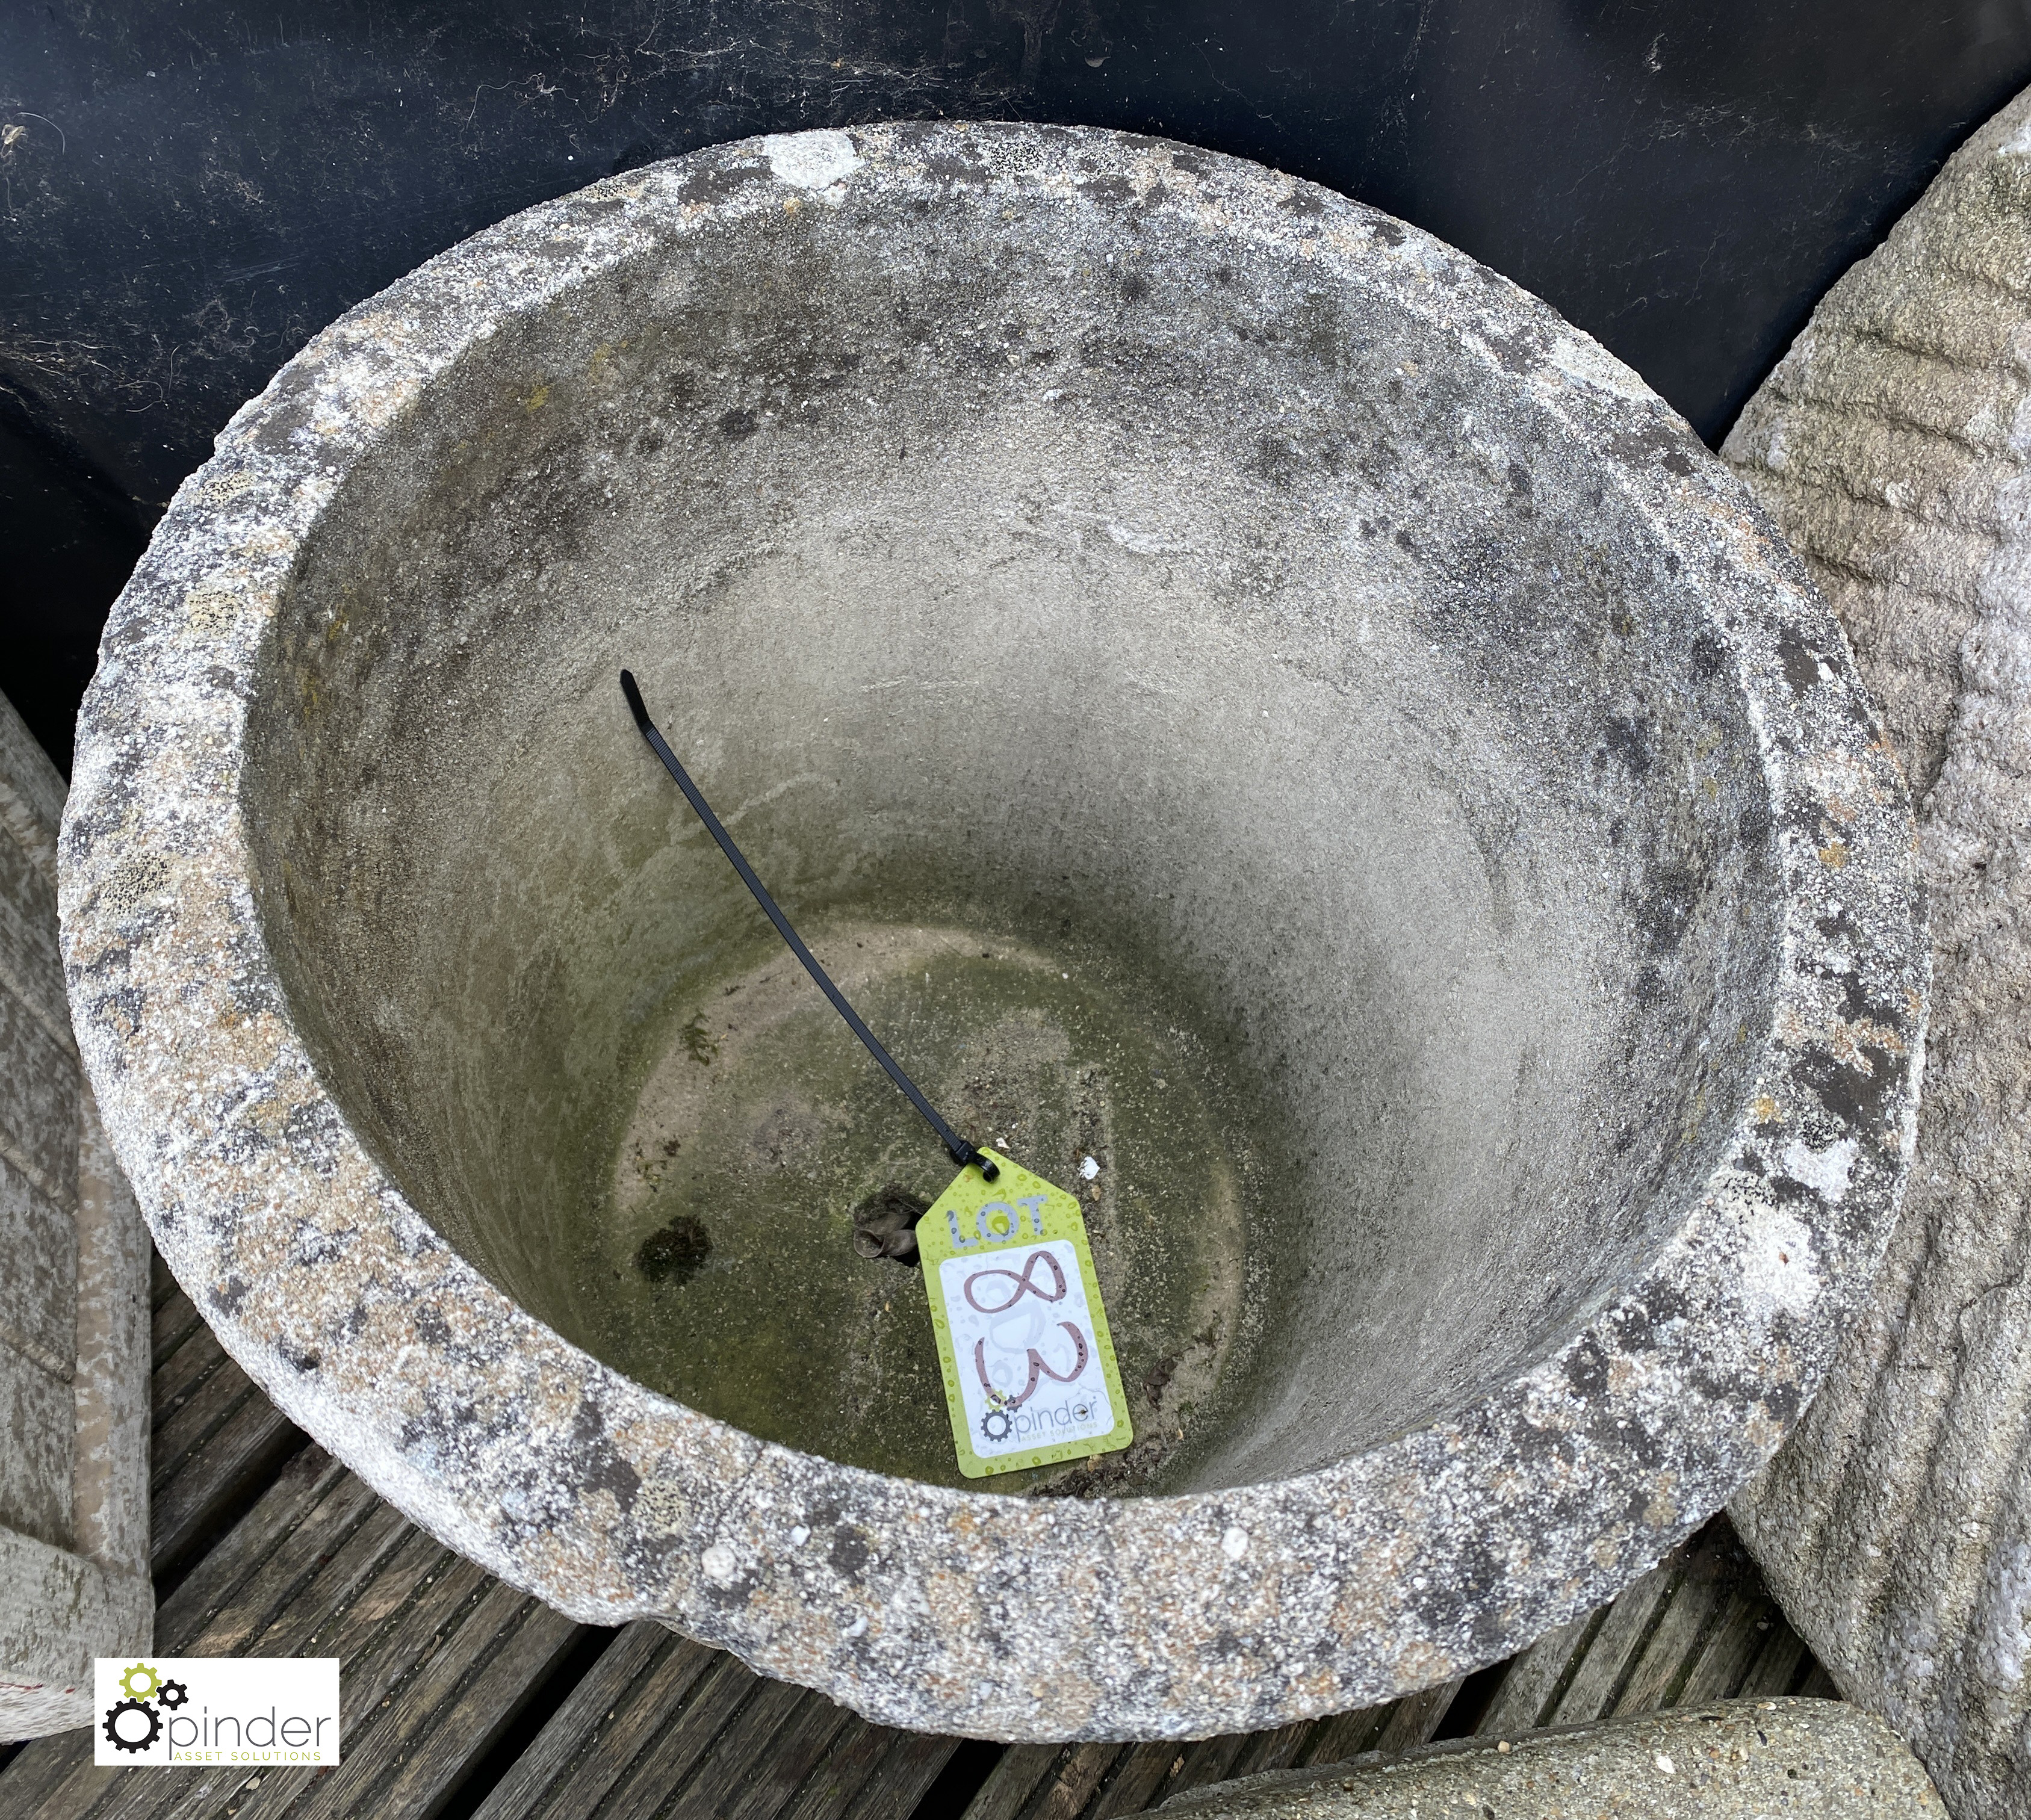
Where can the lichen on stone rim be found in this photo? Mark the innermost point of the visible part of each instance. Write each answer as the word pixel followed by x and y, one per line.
pixel 1419 1558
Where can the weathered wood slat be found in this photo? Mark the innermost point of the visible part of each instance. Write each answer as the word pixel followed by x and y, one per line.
pixel 832 1787
pixel 1207 1760
pixel 339 1541
pixel 1725 1665
pixel 53 1779
pixel 1665 1661
pixel 1415 1719
pixel 1277 1749
pixel 1591 1691
pixel 212 1400
pixel 1078 1774
pixel 1783 1663
pixel 192 1496
pixel 904 1776
pixel 782 1766
pixel 450 1713
pixel 750 1736
pixel 55 1775
pixel 172 1323
pixel 621 1688
pixel 149 1794
pixel 1345 1735
pixel 1530 1688
pixel 685 1735
pixel 1021 1771
pixel 370 1678
pixel 1097 1781
pixel 1141 1779
pixel 180 1376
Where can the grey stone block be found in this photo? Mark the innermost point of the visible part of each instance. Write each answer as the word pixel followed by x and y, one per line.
pixel 1742 1760
pixel 1893 446
pixel 74 1310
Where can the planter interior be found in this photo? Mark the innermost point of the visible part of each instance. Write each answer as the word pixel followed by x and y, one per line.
pixel 1211 728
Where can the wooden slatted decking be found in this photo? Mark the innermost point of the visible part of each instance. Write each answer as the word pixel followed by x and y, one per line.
pixel 463 1698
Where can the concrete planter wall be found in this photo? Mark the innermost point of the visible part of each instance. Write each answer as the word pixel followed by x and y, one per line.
pixel 1176 579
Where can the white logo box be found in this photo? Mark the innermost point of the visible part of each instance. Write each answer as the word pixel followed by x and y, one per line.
pixel 194 1711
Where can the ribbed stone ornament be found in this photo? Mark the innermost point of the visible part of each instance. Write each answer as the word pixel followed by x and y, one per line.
pixel 1893 446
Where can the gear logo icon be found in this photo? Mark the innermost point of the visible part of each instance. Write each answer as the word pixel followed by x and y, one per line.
pixel 998 1425
pixel 130 1737
pixel 141 1682
pixel 174 1693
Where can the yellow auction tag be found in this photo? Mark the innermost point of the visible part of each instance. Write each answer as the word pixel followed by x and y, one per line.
pixel 1022 1340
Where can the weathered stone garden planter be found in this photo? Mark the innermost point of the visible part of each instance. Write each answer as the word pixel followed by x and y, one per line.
pixel 1239 691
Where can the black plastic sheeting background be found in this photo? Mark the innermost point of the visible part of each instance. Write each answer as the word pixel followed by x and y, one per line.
pixel 190 189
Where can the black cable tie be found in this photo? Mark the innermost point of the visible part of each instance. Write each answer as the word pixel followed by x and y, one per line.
pixel 964 1154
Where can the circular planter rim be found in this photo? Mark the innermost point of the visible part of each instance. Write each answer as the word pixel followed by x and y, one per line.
pixel 1416 1559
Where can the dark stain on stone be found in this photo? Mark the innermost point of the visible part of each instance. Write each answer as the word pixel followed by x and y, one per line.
pixel 1854 1096
pixel 1708 656
pixel 1667 907
pixel 1157 1379
pixel 1783 1401
pixel 1276 461
pixel 291 397
pixel 953 171
pixel 1665 443
pixel 1389 233
pixel 119 1011
pixel 1629 739
pixel 675 1253
pixel 1586 1369
pixel 227 1296
pixel 849 1554
pixel 1800 661
pixel 1134 287
pixel 736 423
pixel 699 1043
pixel 1303 203
pixel 1521 351
pixel 598 1465
pixel 717 182
pixel 1112 188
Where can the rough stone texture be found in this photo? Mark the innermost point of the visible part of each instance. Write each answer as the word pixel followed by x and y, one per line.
pixel 1742 1760
pixel 1893 445
pixel 1254 581
pixel 73 1310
